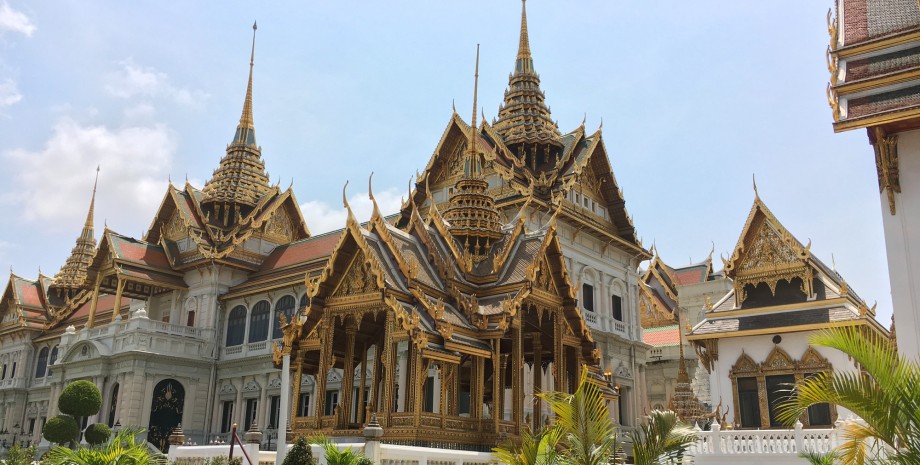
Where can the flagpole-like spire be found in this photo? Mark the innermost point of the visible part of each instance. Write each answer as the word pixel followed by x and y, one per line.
pixel 524 59
pixel 246 117
pixel 472 149
pixel 92 205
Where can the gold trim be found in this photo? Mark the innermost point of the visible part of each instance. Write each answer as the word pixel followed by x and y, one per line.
pixel 877 120
pixel 886 164
pixel 779 330
pixel 876 82
pixel 865 48
pixel 778 308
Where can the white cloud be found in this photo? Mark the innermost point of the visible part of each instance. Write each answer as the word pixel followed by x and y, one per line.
pixel 322 217
pixel 15 21
pixel 9 93
pixel 53 185
pixel 136 81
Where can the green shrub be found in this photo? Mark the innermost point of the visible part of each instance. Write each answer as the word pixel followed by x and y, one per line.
pixel 61 429
pixel 97 433
pixel 80 399
pixel 17 455
pixel 235 461
pixel 301 453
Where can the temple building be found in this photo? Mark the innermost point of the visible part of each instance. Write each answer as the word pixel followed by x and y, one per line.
pixel 511 268
pixel 874 64
pixel 672 299
pixel 754 341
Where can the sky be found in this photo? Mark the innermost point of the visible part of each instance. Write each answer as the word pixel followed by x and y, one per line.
pixel 696 98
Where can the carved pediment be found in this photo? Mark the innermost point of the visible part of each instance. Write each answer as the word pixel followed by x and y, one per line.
pixel 280 228
pixel 745 366
pixel 175 229
pixel 778 360
pixel 359 279
pixel 767 252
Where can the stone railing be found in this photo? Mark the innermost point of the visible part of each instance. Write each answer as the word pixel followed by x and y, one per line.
pixel 386 454
pixel 140 333
pixel 750 446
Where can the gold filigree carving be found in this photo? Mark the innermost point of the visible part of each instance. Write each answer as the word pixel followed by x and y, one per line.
pixel 175 229
pixel 771 258
pixel 279 228
pixel 886 164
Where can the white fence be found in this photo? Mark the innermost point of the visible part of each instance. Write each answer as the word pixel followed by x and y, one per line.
pixel 756 447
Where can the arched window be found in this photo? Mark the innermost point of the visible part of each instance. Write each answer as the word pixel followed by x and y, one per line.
pixel 190 319
pixel 42 363
pixel 284 305
pixel 236 326
pixel 113 405
pixel 54 355
pixel 304 301
pixel 258 321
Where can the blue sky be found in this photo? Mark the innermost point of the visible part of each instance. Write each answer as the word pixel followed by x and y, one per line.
pixel 695 97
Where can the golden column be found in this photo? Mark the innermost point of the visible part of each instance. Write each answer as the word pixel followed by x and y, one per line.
pixel 537 381
pixel 348 376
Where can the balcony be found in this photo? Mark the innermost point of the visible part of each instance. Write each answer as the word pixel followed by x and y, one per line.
pixel 251 349
pixel 140 334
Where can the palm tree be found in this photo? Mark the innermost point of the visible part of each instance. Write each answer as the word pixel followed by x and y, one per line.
pixel 582 432
pixel 661 439
pixel 122 449
pixel 883 393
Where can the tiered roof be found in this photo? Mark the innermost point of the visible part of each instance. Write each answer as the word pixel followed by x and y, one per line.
pixel 73 274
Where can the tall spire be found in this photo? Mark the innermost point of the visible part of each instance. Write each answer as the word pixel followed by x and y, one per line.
pixel 524 118
pixel 474 221
pixel 73 273
pixel 246 131
pixel 240 181
pixel 524 63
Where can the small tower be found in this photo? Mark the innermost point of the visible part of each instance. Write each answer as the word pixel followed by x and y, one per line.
pixel 524 120
pixel 73 274
pixel 240 181
pixel 474 221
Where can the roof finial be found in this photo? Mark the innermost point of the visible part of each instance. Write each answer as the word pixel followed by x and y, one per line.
pixel 524 59
pixel 245 131
pixel 471 153
pixel 754 180
pixel 833 263
pixel 92 204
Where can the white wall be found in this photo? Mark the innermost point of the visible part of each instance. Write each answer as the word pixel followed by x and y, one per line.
pixel 902 240
pixel 758 348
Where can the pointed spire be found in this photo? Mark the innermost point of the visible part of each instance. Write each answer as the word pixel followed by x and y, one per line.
pixel 474 221
pixel 524 117
pixel 240 182
pixel 73 273
pixel 524 63
pixel 245 131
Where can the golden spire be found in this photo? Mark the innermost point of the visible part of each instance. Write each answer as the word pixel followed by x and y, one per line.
pixel 524 118
pixel 240 181
pixel 524 59
pixel 73 273
pixel 245 131
pixel 474 221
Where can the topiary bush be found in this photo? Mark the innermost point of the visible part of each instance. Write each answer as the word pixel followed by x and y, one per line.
pixel 80 399
pixel 97 433
pixel 62 429
pixel 301 453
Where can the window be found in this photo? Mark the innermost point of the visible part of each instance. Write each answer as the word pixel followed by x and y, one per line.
pixel 3 375
pixel 53 357
pixel 113 405
pixel 429 395
pixel 356 411
pixel 13 371
pixel 304 301
pixel 819 414
pixel 332 399
pixel 616 304
pixel 258 321
pixel 274 411
pixel 31 426
pixel 778 388
pixel 236 326
pixel 587 297
pixel 748 402
pixel 252 406
pixel 42 363
pixel 303 405
pixel 226 417
pixel 190 319
pixel 285 306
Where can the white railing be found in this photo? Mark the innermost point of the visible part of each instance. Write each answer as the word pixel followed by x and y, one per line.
pixel 389 454
pixel 233 350
pixel 764 442
pixel 590 316
pixel 254 346
pixel 176 330
pixel 619 327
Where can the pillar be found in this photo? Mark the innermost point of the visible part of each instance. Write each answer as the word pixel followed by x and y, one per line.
pixel 348 376
pixel 94 304
pixel 537 381
pixel 285 405
pixel 359 415
pixel 116 310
